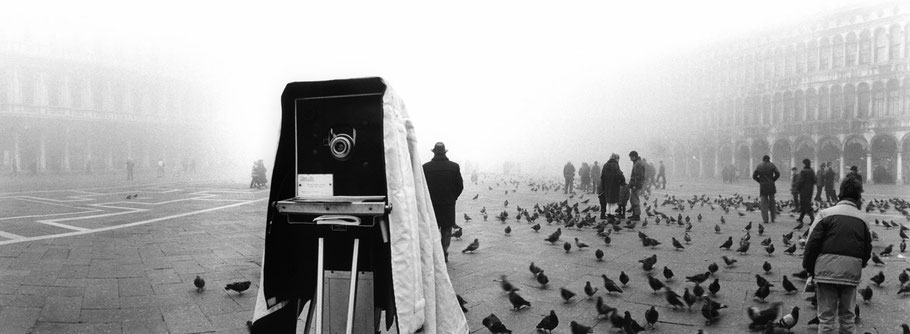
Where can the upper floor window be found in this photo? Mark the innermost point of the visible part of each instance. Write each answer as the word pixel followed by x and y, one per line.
pixel 896 38
pixel 865 48
pixel 881 46
pixel 850 50
pixel 837 52
pixel 824 54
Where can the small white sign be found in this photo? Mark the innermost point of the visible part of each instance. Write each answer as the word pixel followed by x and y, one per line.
pixel 314 185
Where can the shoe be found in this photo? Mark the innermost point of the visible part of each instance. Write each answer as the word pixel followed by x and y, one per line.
pixel 456 226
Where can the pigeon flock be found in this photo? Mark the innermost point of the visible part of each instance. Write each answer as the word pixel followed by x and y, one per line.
pixel 549 264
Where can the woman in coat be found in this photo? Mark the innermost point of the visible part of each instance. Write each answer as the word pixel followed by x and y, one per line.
pixel 612 179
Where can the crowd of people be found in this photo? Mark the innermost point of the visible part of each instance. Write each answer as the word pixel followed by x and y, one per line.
pixel 610 185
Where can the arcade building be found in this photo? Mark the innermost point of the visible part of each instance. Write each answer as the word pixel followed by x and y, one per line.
pixel 834 88
pixel 65 112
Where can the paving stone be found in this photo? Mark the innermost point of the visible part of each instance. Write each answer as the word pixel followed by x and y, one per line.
pixel 70 328
pixel 185 319
pixel 135 287
pixel 18 319
pixel 61 309
pixel 119 314
pixel 147 326
pixel 101 294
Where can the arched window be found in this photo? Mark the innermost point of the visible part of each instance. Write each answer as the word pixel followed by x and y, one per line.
pixel 778 63
pixel 865 47
pixel 896 38
pixel 850 101
pixel 850 50
pixel 76 90
pixel 906 96
pixel 811 105
pixel 822 103
pixel 824 54
pixel 799 106
pixel 776 114
pixel 812 57
pixel 768 63
pixel 881 46
pixel 791 61
pixel 28 81
pixel 787 113
pixel 862 101
pixel 837 103
pixel 837 51
pixel 52 88
pixel 749 68
pixel 766 110
pixel 893 105
pixel 801 58
pixel 878 99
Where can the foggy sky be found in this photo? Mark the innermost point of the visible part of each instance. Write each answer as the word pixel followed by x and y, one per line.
pixel 539 84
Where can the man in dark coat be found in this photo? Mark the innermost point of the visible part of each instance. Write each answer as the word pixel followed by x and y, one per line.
pixel 445 185
pixel 569 173
pixel 584 173
pixel 611 180
pixel 820 177
pixel 766 174
pixel 830 180
pixel 794 188
pixel 661 181
pixel 595 178
pixel 807 181
pixel 636 183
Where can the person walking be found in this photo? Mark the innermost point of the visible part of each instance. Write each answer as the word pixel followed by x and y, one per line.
pixel 807 183
pixel 838 248
pixel 766 174
pixel 595 178
pixel 129 168
pixel 611 180
pixel 661 181
pixel 445 185
pixel 794 188
pixel 636 182
pixel 569 173
pixel 584 173
pixel 830 180
pixel 820 177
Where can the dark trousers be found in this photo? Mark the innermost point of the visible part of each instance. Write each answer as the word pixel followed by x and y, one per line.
pixel 818 193
pixel 129 174
pixel 830 193
pixel 768 206
pixel 795 201
pixel 661 181
pixel 603 205
pixel 445 234
pixel 569 185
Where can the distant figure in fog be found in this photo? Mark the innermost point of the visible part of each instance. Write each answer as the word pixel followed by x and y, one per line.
pixel 160 168
pixel 807 181
pixel 129 168
pixel 569 173
pixel 830 180
pixel 661 181
pixel 649 175
pixel 636 183
pixel 854 174
pixel 445 185
pixel 584 173
pixel 258 175
pixel 820 178
pixel 595 178
pixel 611 180
pixel 766 174
pixel 794 188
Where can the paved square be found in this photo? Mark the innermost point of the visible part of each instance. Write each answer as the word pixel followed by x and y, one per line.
pixel 77 256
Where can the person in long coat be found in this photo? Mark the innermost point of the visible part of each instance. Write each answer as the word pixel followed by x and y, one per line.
pixel 807 181
pixel 595 178
pixel 445 185
pixel 611 179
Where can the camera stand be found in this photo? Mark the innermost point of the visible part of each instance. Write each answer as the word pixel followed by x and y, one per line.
pixel 340 213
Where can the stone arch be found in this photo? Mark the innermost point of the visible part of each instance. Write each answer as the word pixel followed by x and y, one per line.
pixel 884 158
pixel 804 148
pixel 708 157
pixel 855 148
pixel 759 149
pixel 777 105
pixel 781 153
pixel 741 159
pixel 905 161
pixel 829 150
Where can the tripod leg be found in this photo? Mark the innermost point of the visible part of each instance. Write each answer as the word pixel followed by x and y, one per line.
pixel 352 295
pixel 320 274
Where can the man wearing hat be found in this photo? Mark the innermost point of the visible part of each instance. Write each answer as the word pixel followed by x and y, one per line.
pixel 766 174
pixel 854 174
pixel 807 181
pixel 636 182
pixel 445 185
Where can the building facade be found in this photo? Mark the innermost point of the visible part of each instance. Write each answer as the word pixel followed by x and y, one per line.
pixel 833 89
pixel 62 114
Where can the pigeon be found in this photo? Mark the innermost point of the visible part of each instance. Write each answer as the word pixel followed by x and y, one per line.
pixel 866 293
pixel 607 240
pixel 623 278
pixel 761 229
pixel 712 268
pixel 542 279
pixel 688 298
pixel 648 263
pixel 903 247
pixel 748 227
pixel 769 249
pixel 714 287
pixel 766 267
pixel 492 323
pixel 475 197
pixel 630 326
pixel 788 285
pixel 580 244
pixel 536 227
pixel 677 244
pixel 905 287
pixel 668 274
pixel 673 298
pixel 457 234
pixel 554 236
pixel 698 291
pixel 743 247
pixel 472 247
pixel 567 246
pixel 517 301
pixel 763 292
pixel 716 229
pixel 240 287
pixel 508 229
pixel 199 283
pixel 878 278
pixel 905 329
pixel 877 260
pixel 698 279
pixel 761 281
pixel 790 249
pixel 655 284
pixel 129 196
pixel 603 308
pixel 579 328
pixel 461 302
pixel 887 250
pixel 813 321
pixel 651 316
pixel 549 322
pixel 589 290
pixel 610 285
pixel 761 318
pixel 566 295
pixel 728 261
pixel 467 218
pixel 790 320
pixel 534 269
pixel 710 309
pixel 903 277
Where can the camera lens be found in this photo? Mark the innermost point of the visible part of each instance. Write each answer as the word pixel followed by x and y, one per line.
pixel 341 147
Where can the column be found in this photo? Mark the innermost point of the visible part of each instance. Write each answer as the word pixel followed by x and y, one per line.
pixel 66 150
pixel 17 153
pixel 716 164
pixel 869 167
pixel 841 169
pixel 900 168
pixel 793 161
pixel 42 150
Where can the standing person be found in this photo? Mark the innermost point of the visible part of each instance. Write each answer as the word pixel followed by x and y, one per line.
pixel 160 168
pixel 830 179
pixel 129 168
pixel 636 182
pixel 766 174
pixel 807 183
pixel 794 188
pixel 820 177
pixel 611 180
pixel 569 173
pixel 661 181
pixel 854 174
pixel 584 173
pixel 595 178
pixel 445 185
pixel 838 247
pixel 649 175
